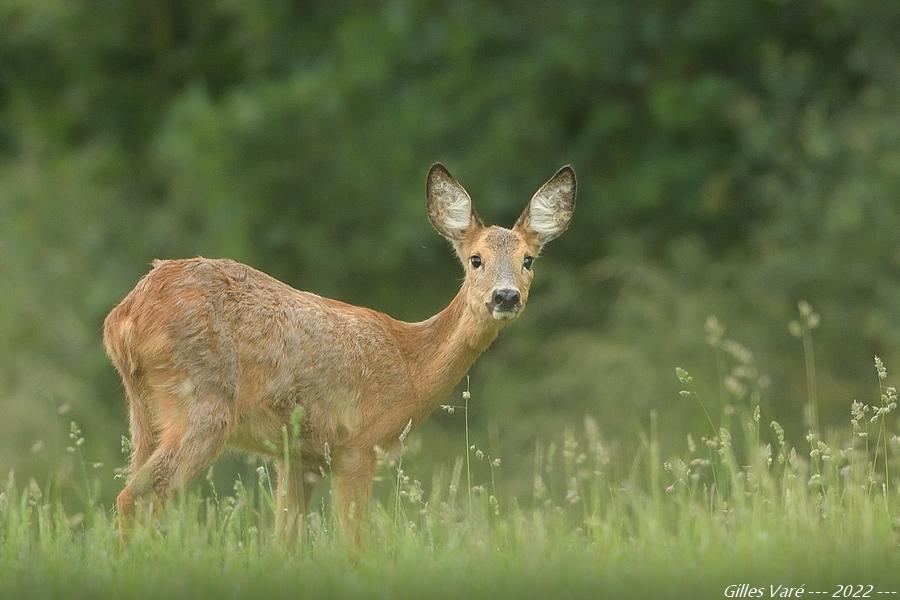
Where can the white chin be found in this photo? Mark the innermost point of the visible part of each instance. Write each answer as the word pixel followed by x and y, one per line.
pixel 503 315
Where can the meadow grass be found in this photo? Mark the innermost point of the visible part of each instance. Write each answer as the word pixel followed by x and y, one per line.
pixel 739 505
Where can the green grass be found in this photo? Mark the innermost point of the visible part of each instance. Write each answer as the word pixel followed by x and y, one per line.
pixel 739 505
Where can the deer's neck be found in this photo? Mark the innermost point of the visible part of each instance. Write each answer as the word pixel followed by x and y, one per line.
pixel 442 349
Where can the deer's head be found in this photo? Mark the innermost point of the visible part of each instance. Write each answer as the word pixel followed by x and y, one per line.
pixel 499 261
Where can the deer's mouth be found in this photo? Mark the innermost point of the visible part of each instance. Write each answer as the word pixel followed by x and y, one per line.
pixel 499 313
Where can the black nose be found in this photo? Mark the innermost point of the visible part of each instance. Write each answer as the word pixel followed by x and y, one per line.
pixel 506 299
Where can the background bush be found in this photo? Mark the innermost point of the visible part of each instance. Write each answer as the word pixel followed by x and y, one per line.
pixel 733 159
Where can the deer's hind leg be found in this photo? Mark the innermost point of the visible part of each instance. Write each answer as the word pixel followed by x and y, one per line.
pixel 193 422
pixel 144 439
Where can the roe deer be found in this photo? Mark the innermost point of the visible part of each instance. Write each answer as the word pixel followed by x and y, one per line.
pixel 213 353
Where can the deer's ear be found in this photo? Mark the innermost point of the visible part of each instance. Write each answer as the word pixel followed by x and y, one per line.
pixel 449 205
pixel 548 214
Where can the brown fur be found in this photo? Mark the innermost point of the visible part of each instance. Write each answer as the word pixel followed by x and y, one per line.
pixel 214 353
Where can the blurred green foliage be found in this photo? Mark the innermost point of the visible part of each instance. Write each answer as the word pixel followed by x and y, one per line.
pixel 733 159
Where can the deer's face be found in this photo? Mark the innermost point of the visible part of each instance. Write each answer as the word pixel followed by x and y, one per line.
pixel 498 261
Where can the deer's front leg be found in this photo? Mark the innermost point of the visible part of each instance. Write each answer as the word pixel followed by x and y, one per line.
pixel 295 482
pixel 354 469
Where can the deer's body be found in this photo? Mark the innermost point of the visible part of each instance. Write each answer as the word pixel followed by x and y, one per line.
pixel 214 353
pixel 260 348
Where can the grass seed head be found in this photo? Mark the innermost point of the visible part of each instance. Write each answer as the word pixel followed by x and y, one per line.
pixel 880 369
pixel 405 431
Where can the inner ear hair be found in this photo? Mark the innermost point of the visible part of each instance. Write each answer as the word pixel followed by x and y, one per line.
pixel 450 207
pixel 550 210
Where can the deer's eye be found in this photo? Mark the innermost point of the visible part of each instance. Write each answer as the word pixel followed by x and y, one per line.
pixel 476 261
pixel 527 262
